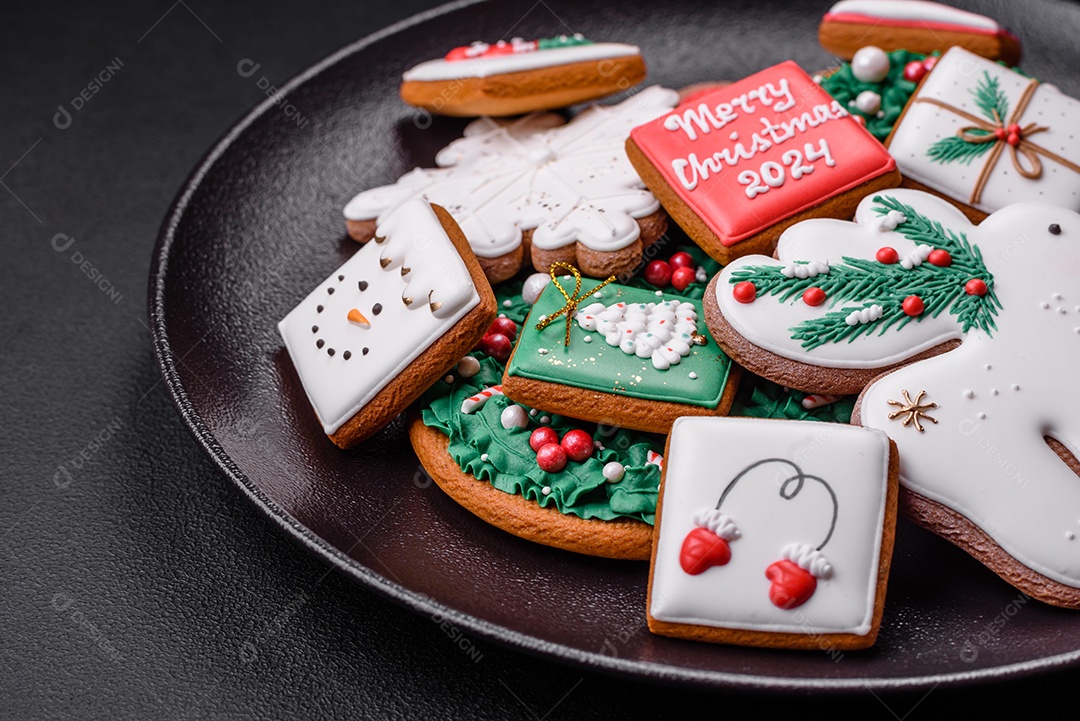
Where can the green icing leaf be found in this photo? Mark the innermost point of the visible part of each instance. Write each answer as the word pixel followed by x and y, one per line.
pixel 990 99
pixel 954 149
pixel 759 398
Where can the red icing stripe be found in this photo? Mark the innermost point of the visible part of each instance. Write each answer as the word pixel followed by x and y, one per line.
pixel 859 19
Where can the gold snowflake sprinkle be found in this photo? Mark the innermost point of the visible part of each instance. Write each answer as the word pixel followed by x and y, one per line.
pixel 913 410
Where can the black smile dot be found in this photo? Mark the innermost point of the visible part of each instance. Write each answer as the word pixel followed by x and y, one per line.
pixel 365 351
pixel 330 291
pixel 1054 229
pixel 376 309
pixel 319 309
pixel 341 277
pixel 320 343
pixel 314 329
pixel 362 285
pixel 330 352
pixel 347 355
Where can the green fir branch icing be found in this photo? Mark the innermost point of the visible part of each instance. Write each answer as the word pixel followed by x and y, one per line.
pixel 869 283
pixel 955 149
pixel 990 99
pixel 992 103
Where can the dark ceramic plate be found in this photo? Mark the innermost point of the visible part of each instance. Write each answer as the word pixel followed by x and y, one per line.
pixel 259 224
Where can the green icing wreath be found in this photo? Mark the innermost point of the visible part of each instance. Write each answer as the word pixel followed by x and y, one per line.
pixel 894 91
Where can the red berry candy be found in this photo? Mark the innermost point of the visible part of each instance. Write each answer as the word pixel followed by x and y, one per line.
pixel 505 326
pixel 744 292
pixel 813 296
pixel 682 259
pixel 929 62
pixel 887 255
pixel 940 258
pixel 542 436
pixel 551 458
pixel 975 286
pixel 497 346
pixel 578 445
pixel 914 71
pixel 913 305
pixel 683 277
pixel 658 273
pixel 1000 133
pixel 1013 139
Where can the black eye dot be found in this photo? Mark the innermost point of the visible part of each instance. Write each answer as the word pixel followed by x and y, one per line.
pixel 330 352
pixel 1054 229
pixel 314 329
pixel 362 285
pixel 341 277
pixel 319 309
pixel 330 291
pixel 347 355
pixel 365 351
pixel 320 343
pixel 376 309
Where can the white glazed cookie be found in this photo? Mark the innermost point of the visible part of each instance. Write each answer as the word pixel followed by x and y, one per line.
pixel 987 136
pixel 353 339
pixel 783 540
pixel 557 186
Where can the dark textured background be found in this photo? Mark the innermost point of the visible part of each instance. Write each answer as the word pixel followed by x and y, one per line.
pixel 136 581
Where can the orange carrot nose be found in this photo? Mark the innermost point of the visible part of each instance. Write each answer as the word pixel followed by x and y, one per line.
pixel 357 317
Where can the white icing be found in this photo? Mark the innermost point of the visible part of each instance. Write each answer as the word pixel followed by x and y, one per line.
pixel 414 240
pixel 716 521
pixel 565 182
pixel 957 72
pixel 890 220
pixel 986 457
pixel 916 256
pixel 857 317
pixel 854 463
pixel 661 331
pixel 806 270
pixel 767 322
pixel 914 11
pixel 485 67
pixel 808 558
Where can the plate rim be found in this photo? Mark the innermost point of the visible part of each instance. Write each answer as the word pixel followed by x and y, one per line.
pixel 421 603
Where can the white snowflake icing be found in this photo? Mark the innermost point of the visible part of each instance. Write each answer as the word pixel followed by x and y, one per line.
pixel 566 182
pixel 662 332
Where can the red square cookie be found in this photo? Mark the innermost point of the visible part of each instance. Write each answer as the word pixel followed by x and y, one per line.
pixel 739 165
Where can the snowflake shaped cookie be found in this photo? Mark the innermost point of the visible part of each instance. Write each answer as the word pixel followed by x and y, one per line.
pixel 557 191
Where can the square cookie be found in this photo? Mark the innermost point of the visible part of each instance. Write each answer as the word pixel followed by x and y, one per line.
pixel 636 359
pixel 773 533
pixel 389 322
pixel 986 136
pixel 737 166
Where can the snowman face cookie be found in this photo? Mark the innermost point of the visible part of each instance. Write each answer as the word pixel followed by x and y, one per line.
pixel 387 323
pixel 782 540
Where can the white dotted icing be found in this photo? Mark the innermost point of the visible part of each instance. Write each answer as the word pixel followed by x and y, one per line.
pixel 805 270
pixel 864 315
pixel 916 257
pixel 662 332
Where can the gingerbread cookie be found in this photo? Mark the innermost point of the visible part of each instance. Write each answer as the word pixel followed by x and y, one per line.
pixel 618 355
pixel 762 540
pixel 539 191
pixel 389 322
pixel 844 302
pixel 539 476
pixel 737 166
pixel 522 76
pixel 914 25
pixel 987 136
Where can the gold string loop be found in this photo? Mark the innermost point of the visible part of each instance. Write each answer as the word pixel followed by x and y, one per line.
pixel 572 301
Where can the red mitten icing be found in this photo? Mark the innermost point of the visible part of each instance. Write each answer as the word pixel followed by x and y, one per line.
pixel 702 549
pixel 791 586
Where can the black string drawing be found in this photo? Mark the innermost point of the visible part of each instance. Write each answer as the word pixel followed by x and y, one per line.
pixel 789 489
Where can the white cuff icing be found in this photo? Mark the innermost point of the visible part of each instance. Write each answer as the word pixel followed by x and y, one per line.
pixel 720 524
pixel 808 558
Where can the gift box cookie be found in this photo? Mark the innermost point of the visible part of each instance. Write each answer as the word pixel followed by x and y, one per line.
pixel 987 136
pixel 388 323
pixel 737 166
pixel 618 355
pixel 539 190
pixel 522 76
pixel 773 533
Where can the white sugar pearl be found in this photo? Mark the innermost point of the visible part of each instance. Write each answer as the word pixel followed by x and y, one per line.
pixel 546 490
pixel 449 379
pixel 544 420
pixel 468 366
pixel 534 286
pixel 870 64
pixel 484 457
pixel 587 339
pixel 508 304
pixel 613 472
pixel 868 101
pixel 514 416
